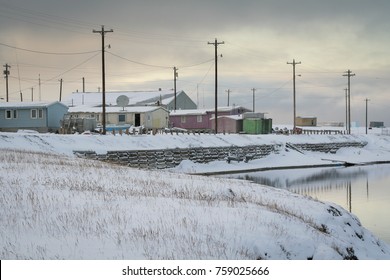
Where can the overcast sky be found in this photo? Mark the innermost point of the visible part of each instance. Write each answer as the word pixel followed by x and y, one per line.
pixel 53 39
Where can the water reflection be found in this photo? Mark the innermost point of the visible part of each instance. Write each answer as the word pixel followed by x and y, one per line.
pixel 363 190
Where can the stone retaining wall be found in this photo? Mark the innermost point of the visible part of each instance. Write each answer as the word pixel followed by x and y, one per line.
pixel 169 158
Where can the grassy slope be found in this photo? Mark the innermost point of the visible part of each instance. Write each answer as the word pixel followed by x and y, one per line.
pixel 58 207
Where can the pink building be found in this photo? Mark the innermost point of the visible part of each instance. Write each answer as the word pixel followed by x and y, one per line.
pixel 203 118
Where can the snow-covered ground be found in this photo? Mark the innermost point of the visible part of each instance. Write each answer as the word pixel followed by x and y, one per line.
pixel 57 206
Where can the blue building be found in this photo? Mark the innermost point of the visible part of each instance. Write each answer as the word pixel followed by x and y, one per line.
pixel 39 116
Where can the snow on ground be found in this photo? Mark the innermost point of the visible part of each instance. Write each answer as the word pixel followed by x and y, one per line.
pixel 57 206
pixel 60 207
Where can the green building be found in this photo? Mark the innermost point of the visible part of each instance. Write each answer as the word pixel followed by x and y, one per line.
pixel 257 126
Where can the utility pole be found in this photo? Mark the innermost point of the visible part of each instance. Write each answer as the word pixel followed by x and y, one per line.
pixel 346 108
pixel 216 43
pixel 294 103
pixel 60 90
pixel 32 94
pixel 39 82
pixel 102 32
pixel 228 101
pixel 83 84
pixel 175 76
pixel 253 96
pixel 349 75
pixel 367 114
pixel 6 73
pixel 21 96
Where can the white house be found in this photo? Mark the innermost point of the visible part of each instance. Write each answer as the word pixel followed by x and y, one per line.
pixel 148 116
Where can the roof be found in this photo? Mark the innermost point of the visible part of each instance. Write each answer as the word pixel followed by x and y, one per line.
pixel 130 109
pixel 204 111
pixel 233 117
pixel 135 97
pixel 194 112
pixel 28 105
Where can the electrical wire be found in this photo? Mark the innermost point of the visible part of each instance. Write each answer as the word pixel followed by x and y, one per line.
pixel 48 53
pixel 158 66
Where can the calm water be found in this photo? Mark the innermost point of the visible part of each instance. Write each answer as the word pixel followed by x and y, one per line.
pixel 364 190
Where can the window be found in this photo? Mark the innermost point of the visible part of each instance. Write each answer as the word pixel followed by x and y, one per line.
pixel 15 114
pixel 121 118
pixel 34 113
pixel 8 114
pixel 183 119
pixel 199 119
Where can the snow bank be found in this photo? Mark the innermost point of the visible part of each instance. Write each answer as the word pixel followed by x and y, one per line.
pixel 60 207
pixel 56 206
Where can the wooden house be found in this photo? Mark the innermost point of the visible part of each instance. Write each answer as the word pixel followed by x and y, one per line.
pixel 38 116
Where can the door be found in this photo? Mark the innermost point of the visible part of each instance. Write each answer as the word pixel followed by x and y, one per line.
pixel 137 120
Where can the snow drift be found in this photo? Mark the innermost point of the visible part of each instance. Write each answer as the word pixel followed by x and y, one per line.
pixel 59 207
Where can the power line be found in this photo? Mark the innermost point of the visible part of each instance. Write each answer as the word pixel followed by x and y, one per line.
pixel 57 76
pixel 47 53
pixel 137 62
pixel 157 66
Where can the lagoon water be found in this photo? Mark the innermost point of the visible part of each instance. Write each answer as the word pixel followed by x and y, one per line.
pixel 363 190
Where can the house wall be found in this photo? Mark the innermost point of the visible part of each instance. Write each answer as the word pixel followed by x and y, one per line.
pixel 23 120
pixel 307 121
pixel 159 119
pixel 183 102
pixel 227 125
pixel 190 121
pixel 154 119
pixel 55 113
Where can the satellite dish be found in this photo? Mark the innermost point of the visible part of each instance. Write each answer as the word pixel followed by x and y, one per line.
pixel 122 101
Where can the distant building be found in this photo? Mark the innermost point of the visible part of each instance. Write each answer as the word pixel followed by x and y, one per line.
pixel 228 124
pixel 306 121
pixel 377 124
pixel 164 98
pixel 38 116
pixel 202 119
pixel 255 123
pixel 147 116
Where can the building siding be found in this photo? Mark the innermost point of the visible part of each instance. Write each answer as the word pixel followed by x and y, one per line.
pixel 182 102
pixel 47 117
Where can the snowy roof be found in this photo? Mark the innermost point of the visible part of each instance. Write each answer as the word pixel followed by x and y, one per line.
pixel 203 111
pixel 130 109
pixel 196 112
pixel 233 117
pixel 36 104
pixel 135 97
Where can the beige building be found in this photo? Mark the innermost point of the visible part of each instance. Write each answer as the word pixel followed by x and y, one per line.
pixel 148 116
pixel 306 121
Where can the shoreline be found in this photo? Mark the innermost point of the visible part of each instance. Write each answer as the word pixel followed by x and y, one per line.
pixel 259 169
